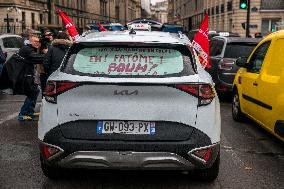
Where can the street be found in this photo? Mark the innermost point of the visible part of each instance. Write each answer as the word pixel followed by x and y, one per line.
pixel 250 158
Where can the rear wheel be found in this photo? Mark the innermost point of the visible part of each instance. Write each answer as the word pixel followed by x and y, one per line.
pixel 209 174
pixel 236 107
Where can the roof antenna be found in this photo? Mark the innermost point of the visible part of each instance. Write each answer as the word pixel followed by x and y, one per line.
pixel 132 31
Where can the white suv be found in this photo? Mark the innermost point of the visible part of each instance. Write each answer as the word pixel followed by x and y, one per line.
pixel 130 101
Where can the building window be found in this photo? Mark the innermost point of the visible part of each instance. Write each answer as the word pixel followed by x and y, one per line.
pixel 217 9
pixel 24 20
pixel 272 5
pixel 57 19
pixel 103 8
pixel 40 18
pixel 208 12
pixel 222 8
pixel 212 11
pixel 269 25
pixel 229 6
pixel 33 20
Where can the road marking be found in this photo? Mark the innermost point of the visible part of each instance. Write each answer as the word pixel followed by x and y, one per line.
pixel 235 157
pixel 9 117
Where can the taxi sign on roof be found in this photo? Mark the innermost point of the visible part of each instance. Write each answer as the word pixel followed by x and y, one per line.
pixel 140 26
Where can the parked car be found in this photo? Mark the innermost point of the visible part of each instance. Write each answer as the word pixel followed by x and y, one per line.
pixel 258 86
pixel 212 34
pixel 224 52
pixel 10 44
pixel 124 100
pixel 113 26
pixel 172 28
pixel 108 26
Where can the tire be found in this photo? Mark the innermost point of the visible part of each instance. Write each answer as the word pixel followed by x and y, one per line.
pixel 209 174
pixel 236 108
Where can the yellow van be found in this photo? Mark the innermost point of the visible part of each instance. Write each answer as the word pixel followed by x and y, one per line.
pixel 258 91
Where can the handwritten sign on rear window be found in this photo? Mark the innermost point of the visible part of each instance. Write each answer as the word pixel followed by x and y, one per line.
pixel 128 61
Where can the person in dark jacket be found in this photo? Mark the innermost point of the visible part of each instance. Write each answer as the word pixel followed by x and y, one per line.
pixel 2 60
pixel 56 53
pixel 31 57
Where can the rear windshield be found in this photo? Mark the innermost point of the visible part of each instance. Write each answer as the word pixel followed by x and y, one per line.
pixel 129 62
pixel 12 42
pixel 236 50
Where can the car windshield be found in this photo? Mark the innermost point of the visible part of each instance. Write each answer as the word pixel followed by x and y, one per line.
pixel 236 50
pixel 12 42
pixel 129 62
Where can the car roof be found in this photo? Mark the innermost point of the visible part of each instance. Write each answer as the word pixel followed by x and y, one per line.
pixel 238 39
pixel 138 37
pixel 276 34
pixel 9 35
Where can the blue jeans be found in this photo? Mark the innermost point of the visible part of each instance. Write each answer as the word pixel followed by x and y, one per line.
pixel 29 104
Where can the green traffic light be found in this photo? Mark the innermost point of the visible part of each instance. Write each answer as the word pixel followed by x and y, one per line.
pixel 243 5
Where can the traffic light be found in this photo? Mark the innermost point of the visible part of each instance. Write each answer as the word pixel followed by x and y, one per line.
pixel 244 4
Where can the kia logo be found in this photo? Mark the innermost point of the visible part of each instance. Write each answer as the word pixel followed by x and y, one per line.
pixel 125 92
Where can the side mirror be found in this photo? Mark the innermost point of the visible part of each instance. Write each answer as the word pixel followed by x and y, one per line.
pixel 242 62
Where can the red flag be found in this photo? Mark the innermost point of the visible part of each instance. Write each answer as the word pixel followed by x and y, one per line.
pixel 102 29
pixel 68 24
pixel 201 44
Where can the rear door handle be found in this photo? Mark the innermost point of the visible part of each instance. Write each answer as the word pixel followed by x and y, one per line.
pixel 255 83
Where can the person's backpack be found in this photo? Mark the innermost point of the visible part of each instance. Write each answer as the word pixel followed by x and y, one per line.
pixel 5 82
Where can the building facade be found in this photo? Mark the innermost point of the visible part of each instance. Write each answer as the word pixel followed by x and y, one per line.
pixel 146 11
pixel 159 11
pixel 127 10
pixel 225 15
pixel 171 12
pixel 18 15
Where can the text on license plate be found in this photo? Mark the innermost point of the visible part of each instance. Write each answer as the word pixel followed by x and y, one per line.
pixel 126 127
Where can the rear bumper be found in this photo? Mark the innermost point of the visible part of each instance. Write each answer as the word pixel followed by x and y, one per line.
pixel 119 154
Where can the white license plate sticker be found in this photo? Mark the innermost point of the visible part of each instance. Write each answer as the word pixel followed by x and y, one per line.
pixel 126 127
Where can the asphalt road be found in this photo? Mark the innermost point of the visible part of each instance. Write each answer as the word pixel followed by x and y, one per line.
pixel 250 158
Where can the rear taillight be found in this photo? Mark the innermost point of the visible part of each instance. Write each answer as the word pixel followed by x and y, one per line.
pixel 54 88
pixel 204 92
pixel 203 155
pixel 50 150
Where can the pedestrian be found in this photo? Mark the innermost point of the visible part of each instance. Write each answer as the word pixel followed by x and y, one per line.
pixel 2 59
pixel 46 41
pixel 56 53
pixel 31 57
pixel 26 35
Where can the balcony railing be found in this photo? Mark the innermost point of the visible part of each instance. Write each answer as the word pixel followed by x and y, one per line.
pixel 272 5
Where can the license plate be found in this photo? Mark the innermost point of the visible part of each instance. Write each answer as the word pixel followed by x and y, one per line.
pixel 126 127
